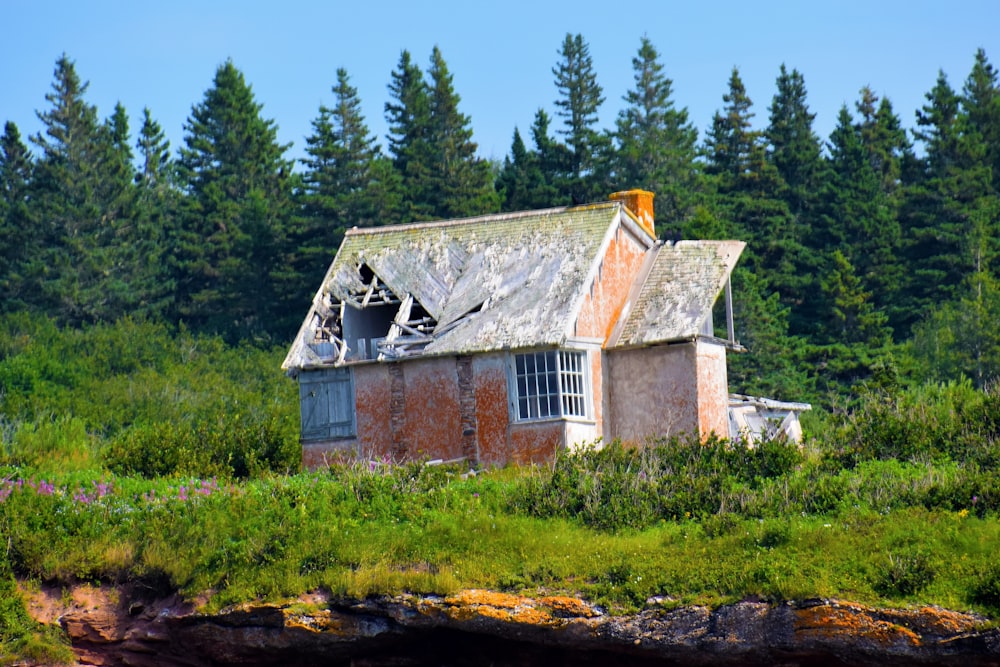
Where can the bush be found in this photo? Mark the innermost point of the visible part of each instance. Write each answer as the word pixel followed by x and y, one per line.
pixel 619 487
pixel 908 571
pixel 986 590
pixel 239 446
pixel 932 422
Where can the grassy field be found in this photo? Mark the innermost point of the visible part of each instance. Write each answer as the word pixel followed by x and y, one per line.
pixel 174 467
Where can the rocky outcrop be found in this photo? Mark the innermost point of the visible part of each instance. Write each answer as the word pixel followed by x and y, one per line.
pixel 474 627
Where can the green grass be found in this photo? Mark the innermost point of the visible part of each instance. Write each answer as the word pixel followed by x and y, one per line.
pixel 134 454
pixel 359 532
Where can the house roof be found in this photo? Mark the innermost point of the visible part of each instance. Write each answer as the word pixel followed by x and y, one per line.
pixel 493 282
pixel 508 281
pixel 676 297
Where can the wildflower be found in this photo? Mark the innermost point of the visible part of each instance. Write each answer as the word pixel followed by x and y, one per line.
pixel 975 499
pixel 182 494
pixel 963 513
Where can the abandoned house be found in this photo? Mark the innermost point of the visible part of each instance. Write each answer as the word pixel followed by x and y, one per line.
pixel 503 338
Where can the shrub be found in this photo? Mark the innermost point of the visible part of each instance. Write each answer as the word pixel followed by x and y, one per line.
pixel 986 590
pixel 908 571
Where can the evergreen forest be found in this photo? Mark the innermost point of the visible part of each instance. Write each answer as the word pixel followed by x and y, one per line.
pixel 873 254
pixel 148 294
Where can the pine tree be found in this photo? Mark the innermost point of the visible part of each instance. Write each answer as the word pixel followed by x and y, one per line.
pixel 528 179
pixel 459 184
pixel 981 106
pixel 794 149
pixel 580 98
pixel 154 154
pixel 513 183
pixel 656 142
pixel 749 190
pixel 960 338
pixel 77 200
pixel 883 139
pixel 773 363
pixel 857 215
pixel 951 211
pixel 18 241
pixel 229 244
pixel 731 141
pixel 409 117
pixel 157 206
pixel 343 185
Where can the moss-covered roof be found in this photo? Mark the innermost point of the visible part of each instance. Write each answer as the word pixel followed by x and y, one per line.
pixel 494 282
pixel 677 296
pixel 512 281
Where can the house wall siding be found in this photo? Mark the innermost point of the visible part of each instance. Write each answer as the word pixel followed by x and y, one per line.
pixel 652 391
pixel 492 411
pixel 536 442
pixel 713 389
pixel 423 408
pixel 372 388
pixel 603 304
pixel 433 410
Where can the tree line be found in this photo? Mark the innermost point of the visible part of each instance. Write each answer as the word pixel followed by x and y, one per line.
pixel 872 254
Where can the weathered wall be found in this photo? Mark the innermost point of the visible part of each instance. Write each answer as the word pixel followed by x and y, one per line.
pixel 651 391
pixel 580 433
pixel 713 389
pixel 372 390
pixel 492 412
pixel 602 306
pixel 536 442
pixel 443 408
pixel 433 424
pixel 609 292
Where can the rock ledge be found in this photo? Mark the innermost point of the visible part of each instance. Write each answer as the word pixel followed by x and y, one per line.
pixel 113 627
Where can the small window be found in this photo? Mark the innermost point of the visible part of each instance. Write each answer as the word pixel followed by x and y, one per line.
pixel 550 384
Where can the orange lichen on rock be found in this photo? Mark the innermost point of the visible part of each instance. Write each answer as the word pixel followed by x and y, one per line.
pixel 315 621
pixel 475 604
pixel 832 621
pixel 484 597
pixel 567 607
pixel 942 622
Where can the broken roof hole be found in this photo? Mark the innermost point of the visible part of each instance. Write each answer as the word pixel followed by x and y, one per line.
pixel 366 273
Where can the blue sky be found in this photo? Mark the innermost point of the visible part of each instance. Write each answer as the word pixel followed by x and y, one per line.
pixel 164 54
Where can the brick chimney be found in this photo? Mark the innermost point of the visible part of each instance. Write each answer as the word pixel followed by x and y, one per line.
pixel 640 203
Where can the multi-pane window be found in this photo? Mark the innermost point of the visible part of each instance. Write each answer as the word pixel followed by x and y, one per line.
pixel 550 384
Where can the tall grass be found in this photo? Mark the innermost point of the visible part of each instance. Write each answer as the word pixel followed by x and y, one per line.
pixel 136 454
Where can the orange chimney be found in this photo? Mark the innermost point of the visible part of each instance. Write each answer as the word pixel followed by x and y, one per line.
pixel 640 203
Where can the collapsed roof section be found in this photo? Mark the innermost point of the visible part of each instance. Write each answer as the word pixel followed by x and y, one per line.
pixel 500 282
pixel 457 287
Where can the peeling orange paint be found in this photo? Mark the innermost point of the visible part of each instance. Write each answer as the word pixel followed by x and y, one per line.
pixel 713 389
pixel 536 442
pixel 492 414
pixel 433 416
pixel 371 391
pixel 604 303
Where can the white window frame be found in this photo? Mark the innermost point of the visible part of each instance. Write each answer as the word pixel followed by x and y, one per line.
pixel 550 384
